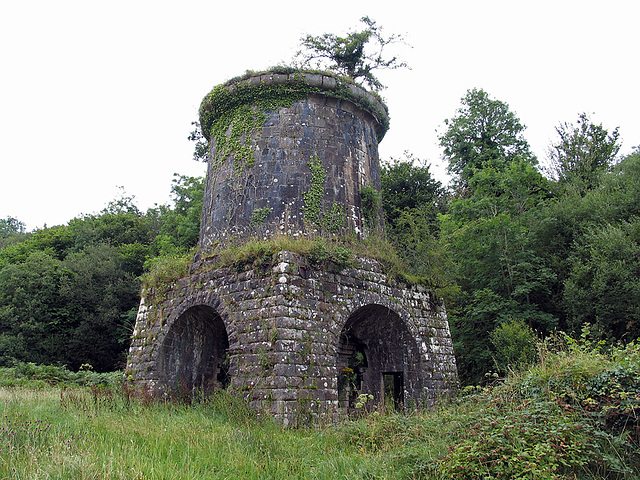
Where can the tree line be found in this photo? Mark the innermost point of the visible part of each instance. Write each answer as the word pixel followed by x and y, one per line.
pixel 519 251
pixel 516 250
pixel 69 294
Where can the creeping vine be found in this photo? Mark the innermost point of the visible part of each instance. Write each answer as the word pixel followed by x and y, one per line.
pixel 331 221
pixel 259 216
pixel 249 90
pixel 313 197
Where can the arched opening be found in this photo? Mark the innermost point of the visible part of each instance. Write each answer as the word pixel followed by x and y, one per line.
pixel 193 357
pixel 375 357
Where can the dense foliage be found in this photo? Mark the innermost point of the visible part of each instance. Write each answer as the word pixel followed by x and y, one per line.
pixel 508 246
pixel 412 200
pixel 483 133
pixel 69 294
pixel 583 153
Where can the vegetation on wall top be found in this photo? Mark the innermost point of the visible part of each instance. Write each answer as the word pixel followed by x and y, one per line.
pixel 281 87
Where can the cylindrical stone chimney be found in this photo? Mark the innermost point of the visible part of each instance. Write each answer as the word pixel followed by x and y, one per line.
pixel 291 154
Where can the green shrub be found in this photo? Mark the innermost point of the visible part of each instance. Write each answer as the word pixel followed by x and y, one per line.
pixel 325 254
pixel 515 345
pixel 371 203
pixel 573 415
pixel 31 375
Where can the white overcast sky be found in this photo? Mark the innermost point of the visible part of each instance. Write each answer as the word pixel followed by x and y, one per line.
pixel 100 94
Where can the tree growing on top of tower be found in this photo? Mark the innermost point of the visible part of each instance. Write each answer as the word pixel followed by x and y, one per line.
pixel 355 55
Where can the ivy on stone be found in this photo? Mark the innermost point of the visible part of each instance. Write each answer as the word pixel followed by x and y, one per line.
pixel 313 197
pixel 333 221
pixel 259 216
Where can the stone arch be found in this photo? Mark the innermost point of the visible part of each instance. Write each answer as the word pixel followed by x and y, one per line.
pixel 193 355
pixel 377 355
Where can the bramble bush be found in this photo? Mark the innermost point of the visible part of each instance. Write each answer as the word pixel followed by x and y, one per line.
pixel 572 415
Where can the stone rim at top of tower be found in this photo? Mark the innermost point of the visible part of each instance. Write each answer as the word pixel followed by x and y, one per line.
pixel 271 90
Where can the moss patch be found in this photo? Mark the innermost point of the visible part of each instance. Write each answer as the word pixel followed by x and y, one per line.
pixel 269 91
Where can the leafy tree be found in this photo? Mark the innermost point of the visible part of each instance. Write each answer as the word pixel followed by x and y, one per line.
pixel 56 241
pixel 603 285
pixel 122 225
pixel 415 238
pixel 32 313
pixel 98 293
pixel 583 153
pixel 569 242
pixel 201 148
pixel 12 231
pixel 351 55
pixel 490 231
pixel 123 203
pixel 68 294
pixel 408 184
pixel 473 315
pixel 621 185
pixel 10 226
pixel 412 200
pixel 177 228
pixel 490 235
pixel 484 132
pixel 114 228
pixel 70 311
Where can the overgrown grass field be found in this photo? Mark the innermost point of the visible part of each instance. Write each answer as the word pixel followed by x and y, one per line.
pixel 572 415
pixel 67 434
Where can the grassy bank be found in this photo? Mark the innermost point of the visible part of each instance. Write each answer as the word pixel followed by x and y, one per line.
pixel 52 433
pixel 573 415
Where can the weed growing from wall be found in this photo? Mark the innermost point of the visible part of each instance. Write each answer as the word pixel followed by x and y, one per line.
pixel 163 271
pixel 334 219
pixel 259 217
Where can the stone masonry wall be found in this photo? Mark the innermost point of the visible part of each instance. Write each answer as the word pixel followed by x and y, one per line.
pixel 284 333
pixel 339 135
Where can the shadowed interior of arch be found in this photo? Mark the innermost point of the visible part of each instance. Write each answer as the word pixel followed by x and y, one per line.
pixel 193 357
pixel 376 356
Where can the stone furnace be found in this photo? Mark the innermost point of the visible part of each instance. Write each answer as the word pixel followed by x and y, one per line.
pixel 300 333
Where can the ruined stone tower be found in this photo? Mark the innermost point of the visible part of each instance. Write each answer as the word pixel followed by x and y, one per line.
pixel 299 332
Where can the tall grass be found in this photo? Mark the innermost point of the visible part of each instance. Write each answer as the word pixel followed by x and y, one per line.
pixel 72 433
pixel 574 415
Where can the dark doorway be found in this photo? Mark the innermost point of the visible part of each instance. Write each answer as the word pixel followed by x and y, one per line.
pixel 374 352
pixel 193 357
pixel 393 390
